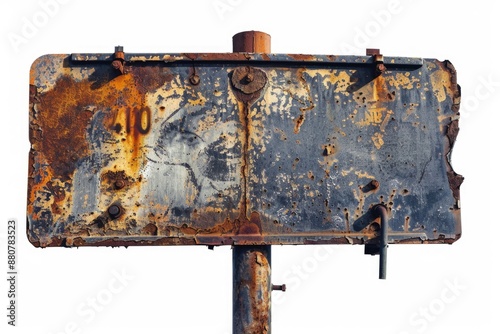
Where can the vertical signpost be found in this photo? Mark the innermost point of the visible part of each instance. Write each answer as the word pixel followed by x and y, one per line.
pixel 251 264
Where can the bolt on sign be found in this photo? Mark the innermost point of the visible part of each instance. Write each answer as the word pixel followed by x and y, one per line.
pixel 241 149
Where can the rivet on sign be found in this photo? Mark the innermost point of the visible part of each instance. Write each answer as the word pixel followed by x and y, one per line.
pixel 114 211
pixel 249 77
pixel 194 79
pixel 374 184
pixel 119 184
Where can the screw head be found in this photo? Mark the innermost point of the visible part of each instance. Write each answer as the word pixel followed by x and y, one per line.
pixel 281 287
pixel 114 211
pixel 194 79
pixel 374 184
pixel 119 184
pixel 116 64
pixel 248 80
pixel 381 68
pixel 249 77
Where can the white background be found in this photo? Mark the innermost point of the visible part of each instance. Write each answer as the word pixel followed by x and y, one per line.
pixel 332 289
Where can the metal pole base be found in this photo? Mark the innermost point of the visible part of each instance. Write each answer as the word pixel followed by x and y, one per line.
pixel 252 289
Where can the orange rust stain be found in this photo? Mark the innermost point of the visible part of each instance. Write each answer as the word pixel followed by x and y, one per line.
pixel 248 228
pixel 252 225
pixel 150 229
pixel 308 103
pixel 223 228
pixel 245 140
pixel 188 230
pixel 58 194
pixel 381 92
pixel 62 118
pixel 43 176
pixel 298 123
pixel 259 290
pixel 116 180
pixel 265 56
pixel 63 115
pixel 301 57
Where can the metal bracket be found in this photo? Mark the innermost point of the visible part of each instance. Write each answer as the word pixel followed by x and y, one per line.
pixel 378 60
pixel 380 247
pixel 119 59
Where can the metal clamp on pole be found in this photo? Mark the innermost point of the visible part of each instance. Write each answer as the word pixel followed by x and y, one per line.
pixel 378 59
pixel 119 59
pixel 380 248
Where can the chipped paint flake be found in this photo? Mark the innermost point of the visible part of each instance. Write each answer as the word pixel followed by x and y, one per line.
pixel 378 140
pixel 441 85
pixel 403 81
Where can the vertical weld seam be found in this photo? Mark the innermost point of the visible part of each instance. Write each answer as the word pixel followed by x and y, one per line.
pixel 245 167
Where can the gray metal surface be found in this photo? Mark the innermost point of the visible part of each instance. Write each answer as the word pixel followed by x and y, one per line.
pixel 241 148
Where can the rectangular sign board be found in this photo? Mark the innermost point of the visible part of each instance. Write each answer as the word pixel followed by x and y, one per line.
pixel 240 148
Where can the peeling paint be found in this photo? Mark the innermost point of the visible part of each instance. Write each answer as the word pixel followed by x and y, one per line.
pixel 263 149
pixel 403 81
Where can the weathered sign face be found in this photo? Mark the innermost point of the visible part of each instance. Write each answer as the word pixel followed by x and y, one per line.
pixel 238 148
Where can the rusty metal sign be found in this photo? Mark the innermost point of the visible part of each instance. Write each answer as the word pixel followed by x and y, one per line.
pixel 241 148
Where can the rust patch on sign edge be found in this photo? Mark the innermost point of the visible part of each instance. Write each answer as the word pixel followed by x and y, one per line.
pixel 454 179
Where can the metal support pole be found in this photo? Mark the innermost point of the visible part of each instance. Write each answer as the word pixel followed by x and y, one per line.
pixel 252 289
pixel 252 41
pixel 251 264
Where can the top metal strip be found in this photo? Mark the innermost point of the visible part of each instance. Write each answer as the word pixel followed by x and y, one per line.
pixel 244 56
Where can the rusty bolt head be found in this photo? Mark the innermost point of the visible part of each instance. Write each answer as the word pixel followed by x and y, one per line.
pixel 371 186
pixel 249 77
pixel 281 287
pixel 381 68
pixel 374 184
pixel 117 63
pixel 119 54
pixel 119 184
pixel 114 211
pixel 194 79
